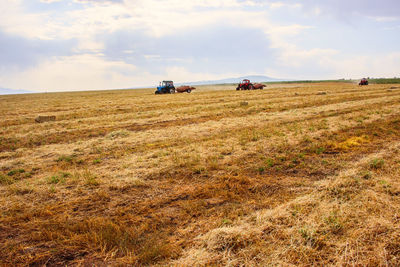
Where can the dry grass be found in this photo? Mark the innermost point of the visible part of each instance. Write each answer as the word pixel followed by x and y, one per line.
pixel 126 177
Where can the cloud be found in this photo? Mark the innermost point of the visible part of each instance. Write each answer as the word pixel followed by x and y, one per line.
pixel 382 65
pixel 347 9
pixel 50 1
pixel 77 72
pixel 18 53
pixel 97 1
pixel 215 50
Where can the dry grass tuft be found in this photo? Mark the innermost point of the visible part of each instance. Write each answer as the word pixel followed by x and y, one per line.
pixel 230 238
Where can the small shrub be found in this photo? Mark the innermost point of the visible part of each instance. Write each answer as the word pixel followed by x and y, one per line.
pixel 270 162
pixel 97 161
pixel 60 178
pixel 65 158
pixel 261 170
pixel 376 164
pixel 6 180
pixel 334 223
pixel 308 235
pixel 319 150
pixel 14 172
pixel 52 189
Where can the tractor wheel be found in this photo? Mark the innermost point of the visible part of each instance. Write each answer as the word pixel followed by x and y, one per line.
pixel 156 92
pixel 172 91
pixel 251 87
pixel 188 90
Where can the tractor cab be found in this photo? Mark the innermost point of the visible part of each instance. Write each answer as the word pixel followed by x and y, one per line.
pixel 245 81
pixel 165 87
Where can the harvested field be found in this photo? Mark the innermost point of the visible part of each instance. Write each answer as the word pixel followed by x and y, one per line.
pixel 294 177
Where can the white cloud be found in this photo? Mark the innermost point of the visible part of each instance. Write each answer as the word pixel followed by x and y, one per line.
pixel 80 72
pixel 181 74
pixel 320 64
pixel 49 1
pixel 367 65
pixel 16 21
pixel 276 5
pixel 385 19
pixel 294 57
pixel 354 9
pixel 156 18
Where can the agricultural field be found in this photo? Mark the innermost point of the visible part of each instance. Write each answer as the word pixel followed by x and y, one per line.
pixel 295 174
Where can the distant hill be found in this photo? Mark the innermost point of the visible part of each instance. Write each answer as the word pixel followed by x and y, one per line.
pixel 252 78
pixel 6 91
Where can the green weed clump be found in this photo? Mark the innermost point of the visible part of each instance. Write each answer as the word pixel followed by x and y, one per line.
pixel 270 162
pixel 58 179
pixel 69 159
pixel 13 176
pixel 14 172
pixel 66 158
pixel 6 180
pixel 261 170
pixel 376 164
pixel 334 223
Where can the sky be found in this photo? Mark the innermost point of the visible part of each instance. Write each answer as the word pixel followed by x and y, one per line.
pixel 58 45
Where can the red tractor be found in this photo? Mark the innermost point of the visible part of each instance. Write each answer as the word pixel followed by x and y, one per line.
pixel 363 81
pixel 245 85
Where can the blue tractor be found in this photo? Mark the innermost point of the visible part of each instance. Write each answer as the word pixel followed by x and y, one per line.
pixel 166 87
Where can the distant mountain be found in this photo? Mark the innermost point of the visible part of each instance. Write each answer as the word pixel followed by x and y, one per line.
pixel 252 78
pixel 6 91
